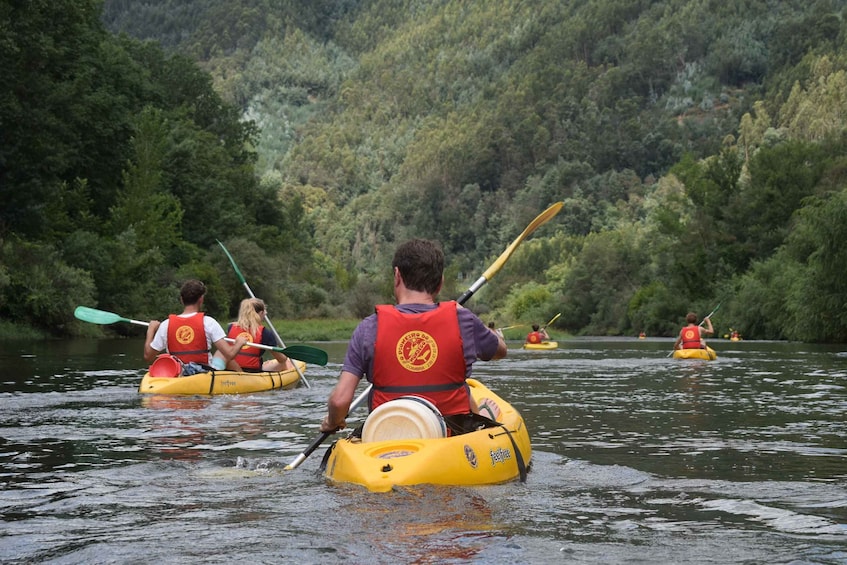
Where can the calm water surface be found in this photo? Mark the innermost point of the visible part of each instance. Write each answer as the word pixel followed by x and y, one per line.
pixel 638 458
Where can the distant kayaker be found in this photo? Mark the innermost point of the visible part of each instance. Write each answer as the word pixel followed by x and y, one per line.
pixel 189 336
pixel 417 346
pixel 537 335
pixel 251 314
pixel 691 336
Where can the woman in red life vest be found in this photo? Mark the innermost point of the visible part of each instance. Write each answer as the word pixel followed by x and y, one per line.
pixel 691 336
pixel 251 314
pixel 537 335
pixel 190 335
pixel 416 346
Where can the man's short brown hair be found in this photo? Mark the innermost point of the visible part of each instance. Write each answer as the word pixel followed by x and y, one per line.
pixel 191 292
pixel 421 264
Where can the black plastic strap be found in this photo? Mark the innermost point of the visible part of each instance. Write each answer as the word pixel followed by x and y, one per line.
pixel 518 455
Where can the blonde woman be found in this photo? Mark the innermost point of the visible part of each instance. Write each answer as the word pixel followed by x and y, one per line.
pixel 251 314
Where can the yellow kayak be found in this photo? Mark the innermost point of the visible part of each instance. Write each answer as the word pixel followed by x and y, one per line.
pixel 543 346
pixel 221 382
pixel 707 354
pixel 488 456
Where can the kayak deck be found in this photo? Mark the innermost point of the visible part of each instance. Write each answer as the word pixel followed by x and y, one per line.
pixel 488 456
pixel 221 382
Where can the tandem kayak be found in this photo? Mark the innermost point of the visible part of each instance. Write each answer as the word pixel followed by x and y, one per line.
pixel 221 382
pixel 492 455
pixel 707 354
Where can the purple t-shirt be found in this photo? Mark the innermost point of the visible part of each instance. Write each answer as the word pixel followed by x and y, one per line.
pixel 478 341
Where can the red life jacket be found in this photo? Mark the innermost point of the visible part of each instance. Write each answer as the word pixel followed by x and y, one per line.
pixel 420 354
pixel 691 337
pixel 248 357
pixel 534 337
pixel 187 338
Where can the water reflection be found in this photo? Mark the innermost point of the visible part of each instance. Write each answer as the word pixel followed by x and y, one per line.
pixel 421 524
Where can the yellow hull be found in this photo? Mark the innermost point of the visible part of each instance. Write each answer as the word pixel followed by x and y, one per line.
pixel 221 382
pixel 478 458
pixel 707 354
pixel 543 346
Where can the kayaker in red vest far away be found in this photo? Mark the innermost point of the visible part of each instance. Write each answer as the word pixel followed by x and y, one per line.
pixel 251 314
pixel 189 336
pixel 417 346
pixel 537 335
pixel 691 336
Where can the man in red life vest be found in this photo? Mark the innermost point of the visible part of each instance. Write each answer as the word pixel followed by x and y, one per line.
pixel 537 335
pixel 417 346
pixel 189 336
pixel 690 337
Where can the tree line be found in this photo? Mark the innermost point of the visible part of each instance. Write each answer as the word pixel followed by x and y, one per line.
pixel 697 147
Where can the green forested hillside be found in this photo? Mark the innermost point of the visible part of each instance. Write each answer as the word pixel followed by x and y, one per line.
pixel 698 147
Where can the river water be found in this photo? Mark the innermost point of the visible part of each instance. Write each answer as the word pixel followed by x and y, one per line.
pixel 638 458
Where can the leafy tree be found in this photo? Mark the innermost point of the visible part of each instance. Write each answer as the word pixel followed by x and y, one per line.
pixel 758 308
pixel 780 178
pixel 42 288
pixel 60 120
pixel 815 298
pixel 818 110
pixel 616 259
pixel 154 215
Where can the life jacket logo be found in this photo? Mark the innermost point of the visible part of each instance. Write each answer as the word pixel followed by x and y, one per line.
pixel 416 351
pixel 184 334
pixel 246 335
pixel 689 334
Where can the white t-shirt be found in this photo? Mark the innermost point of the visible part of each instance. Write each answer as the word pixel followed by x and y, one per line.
pixel 214 332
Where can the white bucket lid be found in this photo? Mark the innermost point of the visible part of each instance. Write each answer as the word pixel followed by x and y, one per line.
pixel 407 417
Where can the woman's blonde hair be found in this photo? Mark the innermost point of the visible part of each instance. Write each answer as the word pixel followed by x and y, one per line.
pixel 250 314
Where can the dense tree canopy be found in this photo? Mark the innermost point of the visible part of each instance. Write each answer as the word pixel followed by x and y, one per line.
pixel 698 147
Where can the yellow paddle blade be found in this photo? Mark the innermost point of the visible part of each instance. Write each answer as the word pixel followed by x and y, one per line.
pixel 539 221
pixel 556 317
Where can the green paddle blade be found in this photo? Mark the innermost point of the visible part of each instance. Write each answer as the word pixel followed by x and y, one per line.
pixel 306 353
pixel 234 266
pixel 93 316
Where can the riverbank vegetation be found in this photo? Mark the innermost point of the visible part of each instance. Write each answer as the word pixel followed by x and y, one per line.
pixel 698 147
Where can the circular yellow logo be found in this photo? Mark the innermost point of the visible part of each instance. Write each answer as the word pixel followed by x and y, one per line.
pixel 417 351
pixel 689 334
pixel 185 334
pixel 246 335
